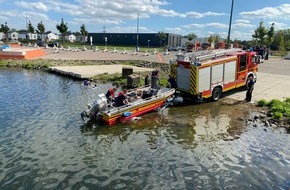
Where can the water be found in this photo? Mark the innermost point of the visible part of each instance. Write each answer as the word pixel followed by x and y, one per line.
pixel 45 145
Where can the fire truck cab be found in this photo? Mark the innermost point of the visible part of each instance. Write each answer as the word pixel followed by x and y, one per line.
pixel 207 74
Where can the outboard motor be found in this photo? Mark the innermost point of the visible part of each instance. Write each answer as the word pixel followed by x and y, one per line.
pixel 95 107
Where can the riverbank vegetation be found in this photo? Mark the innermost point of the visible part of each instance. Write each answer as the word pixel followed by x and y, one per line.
pixel 278 110
pixel 117 79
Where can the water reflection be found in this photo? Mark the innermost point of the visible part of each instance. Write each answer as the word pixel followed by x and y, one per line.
pixel 45 145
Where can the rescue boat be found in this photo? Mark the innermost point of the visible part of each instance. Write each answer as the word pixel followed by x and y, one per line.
pixel 141 101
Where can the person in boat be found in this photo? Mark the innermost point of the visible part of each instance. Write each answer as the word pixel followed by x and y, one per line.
pixel 155 78
pixel 147 82
pixel 111 94
pixel 121 99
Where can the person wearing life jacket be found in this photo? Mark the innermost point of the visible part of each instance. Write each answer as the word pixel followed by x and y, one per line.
pixel 111 94
pixel 121 99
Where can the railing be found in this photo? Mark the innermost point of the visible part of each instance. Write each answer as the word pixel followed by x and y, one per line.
pixel 199 56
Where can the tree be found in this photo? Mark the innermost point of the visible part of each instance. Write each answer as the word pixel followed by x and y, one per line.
pixel 62 28
pixel 210 39
pixel 162 37
pixel 281 41
pixel 270 34
pixel 260 33
pixel 30 28
pixel 40 29
pixel 84 32
pixel 5 29
pixel 191 36
pixel 217 39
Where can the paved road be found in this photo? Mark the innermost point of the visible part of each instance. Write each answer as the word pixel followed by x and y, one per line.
pixel 273 81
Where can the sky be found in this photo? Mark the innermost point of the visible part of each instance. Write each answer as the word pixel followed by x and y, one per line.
pixel 201 17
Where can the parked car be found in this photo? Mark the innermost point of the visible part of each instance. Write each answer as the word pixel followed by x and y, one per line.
pixel 170 48
pixel 40 43
pixel 179 48
pixel 52 44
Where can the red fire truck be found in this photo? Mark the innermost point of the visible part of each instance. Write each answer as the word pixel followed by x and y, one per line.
pixel 207 74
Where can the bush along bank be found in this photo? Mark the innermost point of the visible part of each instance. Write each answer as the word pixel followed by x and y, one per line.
pixel 277 112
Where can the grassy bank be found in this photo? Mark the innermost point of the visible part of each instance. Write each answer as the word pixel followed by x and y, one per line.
pixel 115 78
pixel 278 109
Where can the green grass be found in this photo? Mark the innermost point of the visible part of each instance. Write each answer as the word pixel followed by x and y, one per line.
pixel 279 108
pixel 279 53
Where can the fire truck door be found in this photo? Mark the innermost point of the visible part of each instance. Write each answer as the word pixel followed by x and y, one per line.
pixel 242 69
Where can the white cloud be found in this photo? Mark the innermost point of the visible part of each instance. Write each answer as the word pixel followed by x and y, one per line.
pixel 35 16
pixel 193 14
pixel 214 25
pixel 32 5
pixel 176 30
pixel 242 24
pixel 282 11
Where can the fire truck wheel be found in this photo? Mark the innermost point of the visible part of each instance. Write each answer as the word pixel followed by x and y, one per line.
pixel 216 94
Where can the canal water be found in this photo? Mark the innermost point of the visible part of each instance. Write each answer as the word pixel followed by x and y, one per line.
pixel 44 144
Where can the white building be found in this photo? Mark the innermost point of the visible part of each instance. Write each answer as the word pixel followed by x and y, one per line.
pixel 81 38
pixel 27 36
pixel 49 37
pixel 2 36
pixel 70 37
pixel 13 36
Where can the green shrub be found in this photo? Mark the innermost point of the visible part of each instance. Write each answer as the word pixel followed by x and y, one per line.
pixel 278 108
pixel 262 103
pixel 28 66
pixel 2 63
pixel 287 113
pixel 287 100
pixel 274 102
pixel 277 115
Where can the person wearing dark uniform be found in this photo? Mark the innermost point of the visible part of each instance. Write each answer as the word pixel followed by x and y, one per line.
pixel 111 94
pixel 147 80
pixel 155 78
pixel 121 99
pixel 172 82
pixel 250 87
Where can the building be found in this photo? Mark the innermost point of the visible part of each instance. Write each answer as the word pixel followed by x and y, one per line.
pixel 48 36
pixel 81 38
pixel 2 36
pixel 70 37
pixel 130 39
pixel 13 36
pixel 27 36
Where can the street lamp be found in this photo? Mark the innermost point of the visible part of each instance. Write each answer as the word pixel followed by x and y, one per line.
pixel 148 43
pixel 137 46
pixel 230 25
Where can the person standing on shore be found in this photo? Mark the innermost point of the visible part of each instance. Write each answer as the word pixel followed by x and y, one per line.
pixel 250 89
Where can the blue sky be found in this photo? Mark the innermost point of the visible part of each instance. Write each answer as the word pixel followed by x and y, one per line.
pixel 202 17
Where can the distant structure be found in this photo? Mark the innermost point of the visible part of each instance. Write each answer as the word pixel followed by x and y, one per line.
pixel 130 39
